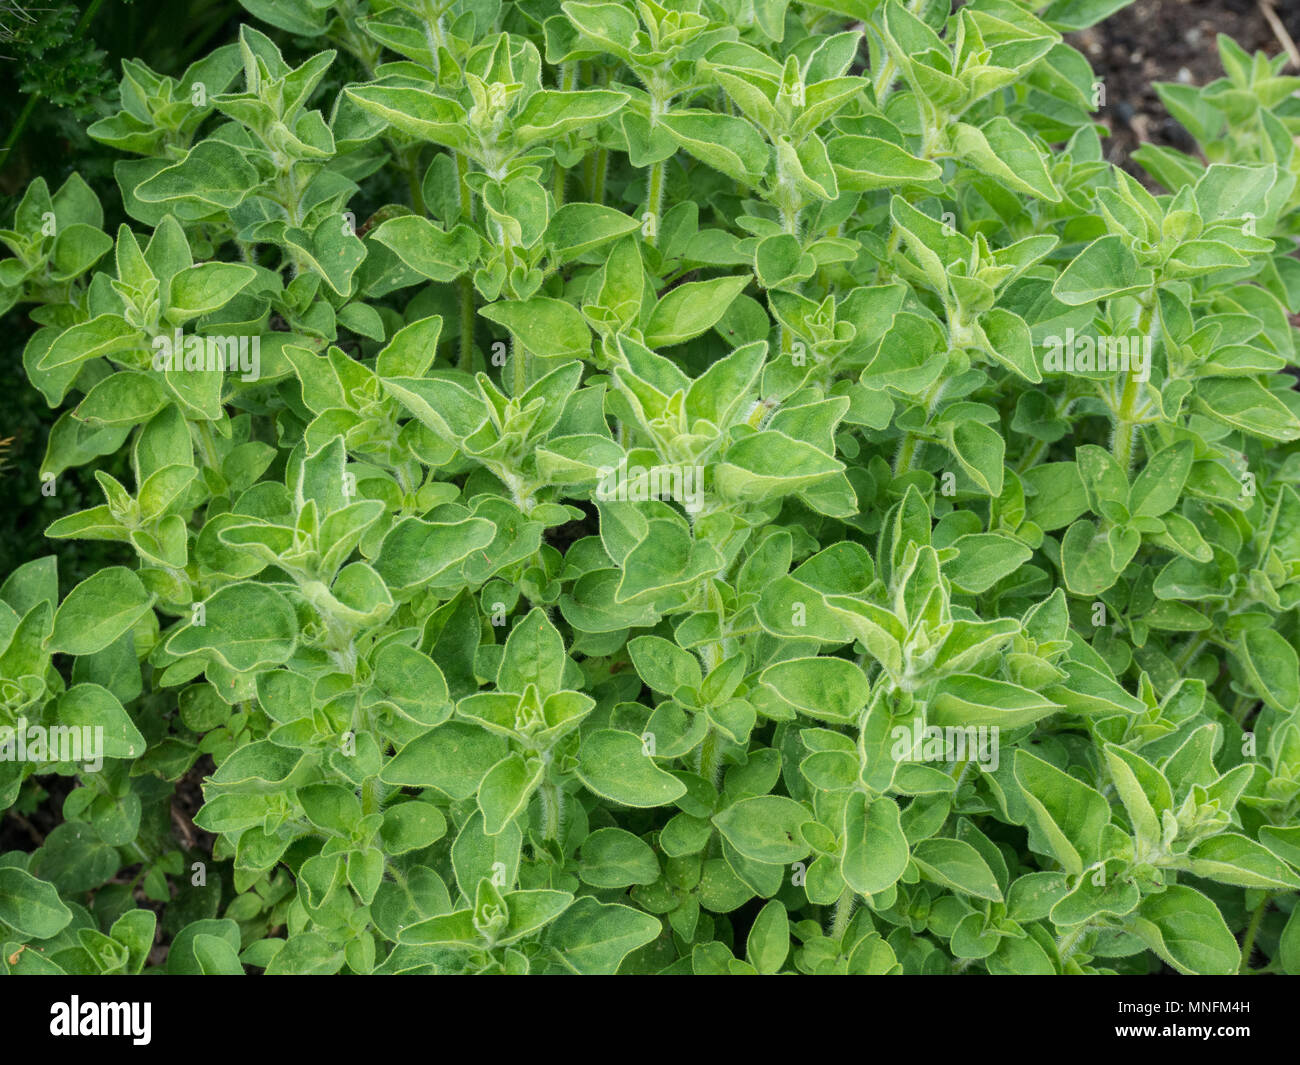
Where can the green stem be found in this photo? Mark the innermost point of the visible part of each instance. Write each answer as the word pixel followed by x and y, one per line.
pixel 370 798
pixel 567 83
pixel 1248 943
pixel 1031 456
pixel 602 170
pixel 885 79
pixel 550 796
pixel 1126 416
pixel 16 132
pixel 1188 654
pixel 413 183
pixel 87 15
pixel 216 22
pixel 787 341
pixel 1069 943
pixel 842 915
pixel 655 199
pixel 560 180
pixel 207 444
pixel 519 359
pixel 466 194
pixel 466 359
pixel 884 271
pixel 711 758
pixel 907 452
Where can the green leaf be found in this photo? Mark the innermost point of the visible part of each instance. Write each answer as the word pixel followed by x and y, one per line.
pixel 765 829
pixel 1271 663
pixel 103 335
pixel 691 309
pixel 244 626
pixel 534 654
pixel 543 325
pixel 875 848
pixel 454 758
pixel 428 250
pixel 768 944
pixel 956 865
pixel 99 610
pixel 1160 484
pixel 1236 859
pixel 417 552
pixel 577 228
pixel 615 766
pixel 1243 403
pixel 966 699
pixel 725 142
pixel 592 938
pixel 1106 268
pixel 504 792
pixel 663 665
pixel 863 164
pixel 983 559
pixel 1005 153
pixel 30 906
pixel 411 826
pixel 423 114
pixel 615 858
pixel 980 452
pixel 1187 930
pixel 829 689
pixel 204 288
pixel 92 706
pixel 1069 815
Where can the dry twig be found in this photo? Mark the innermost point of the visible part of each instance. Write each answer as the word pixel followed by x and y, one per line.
pixel 1279 31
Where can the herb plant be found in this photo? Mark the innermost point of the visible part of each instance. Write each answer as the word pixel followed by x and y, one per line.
pixel 701 486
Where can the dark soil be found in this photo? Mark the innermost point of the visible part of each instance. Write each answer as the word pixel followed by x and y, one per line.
pixel 21 831
pixel 1169 40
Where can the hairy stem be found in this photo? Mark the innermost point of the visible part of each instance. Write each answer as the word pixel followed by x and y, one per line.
pixel 465 360
pixel 465 192
pixel 655 200
pixel 843 913
pixel 370 797
pixel 551 806
pixel 1187 656
pixel 1252 930
pixel 711 757
pixel 1126 416
pixel 1069 943
pixel 908 450
pixel 518 367
pixel 598 182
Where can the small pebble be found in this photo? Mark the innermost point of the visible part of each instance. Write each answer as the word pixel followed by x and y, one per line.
pixel 1184 75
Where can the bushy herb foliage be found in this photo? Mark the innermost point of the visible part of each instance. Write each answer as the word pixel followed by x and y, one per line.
pixel 479 694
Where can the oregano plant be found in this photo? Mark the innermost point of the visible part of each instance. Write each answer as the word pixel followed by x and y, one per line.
pixel 684 486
